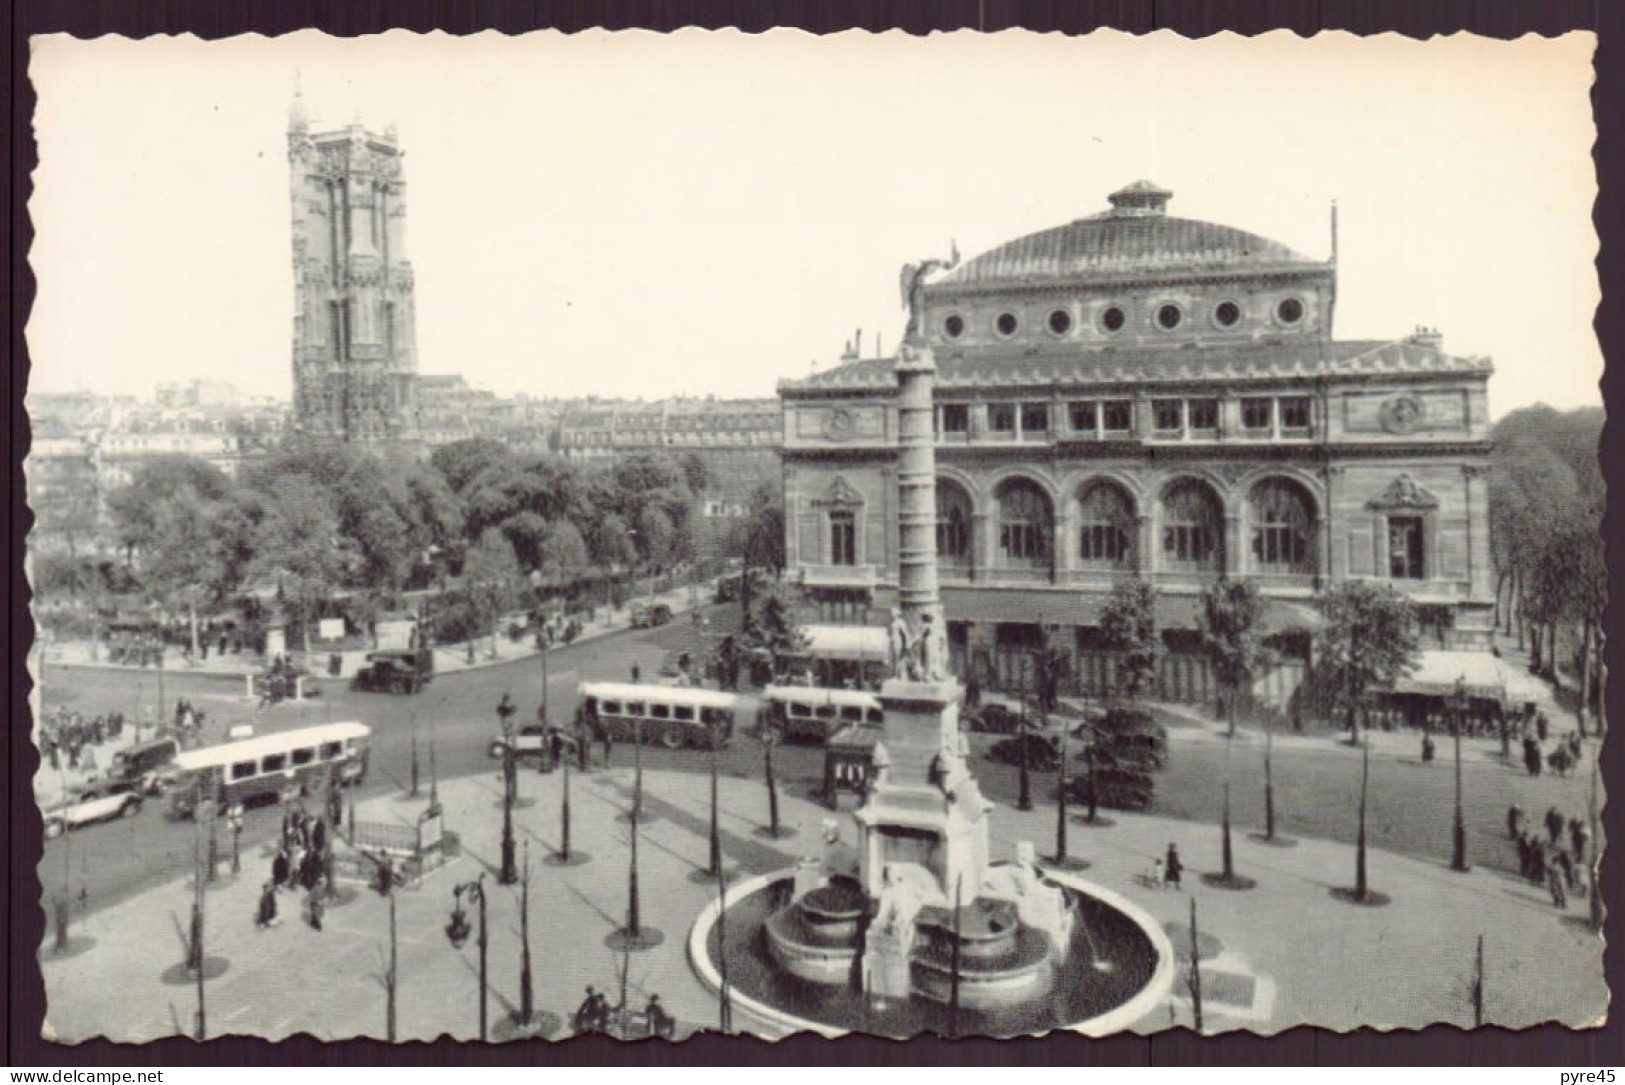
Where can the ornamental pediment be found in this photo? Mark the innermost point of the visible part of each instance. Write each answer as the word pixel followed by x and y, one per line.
pixel 1405 493
pixel 839 493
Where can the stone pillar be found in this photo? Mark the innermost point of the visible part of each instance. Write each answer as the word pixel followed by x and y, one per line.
pixel 916 489
pixel 1235 559
pixel 981 544
pixel 1145 551
pixel 1066 547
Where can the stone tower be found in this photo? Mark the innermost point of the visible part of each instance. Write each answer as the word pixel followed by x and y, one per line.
pixel 354 340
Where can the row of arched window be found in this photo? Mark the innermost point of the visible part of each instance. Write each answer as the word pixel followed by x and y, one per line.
pixel 1281 523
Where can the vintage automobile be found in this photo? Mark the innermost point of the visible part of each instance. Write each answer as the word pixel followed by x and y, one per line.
pixel 144 763
pixel 528 741
pixel 649 615
pixel 394 671
pixel 96 802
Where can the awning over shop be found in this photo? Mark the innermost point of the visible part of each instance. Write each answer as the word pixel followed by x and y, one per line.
pixel 851 642
pixel 1083 608
pixel 1484 676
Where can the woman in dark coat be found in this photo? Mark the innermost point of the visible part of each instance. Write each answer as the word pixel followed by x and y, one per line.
pixel 266 916
pixel 279 870
pixel 1172 868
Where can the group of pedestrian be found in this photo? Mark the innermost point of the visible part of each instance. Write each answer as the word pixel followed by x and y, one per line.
pixel 595 1015
pixel 279 682
pixel 1560 760
pixel 67 738
pixel 303 861
pixel 1554 860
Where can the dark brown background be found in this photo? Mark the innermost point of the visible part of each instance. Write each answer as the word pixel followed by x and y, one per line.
pixel 25 1000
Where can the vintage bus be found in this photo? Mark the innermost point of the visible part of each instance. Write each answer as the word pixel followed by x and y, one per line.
pixel 809 714
pixel 670 716
pixel 270 767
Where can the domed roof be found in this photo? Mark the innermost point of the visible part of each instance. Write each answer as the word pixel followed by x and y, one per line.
pixel 1137 234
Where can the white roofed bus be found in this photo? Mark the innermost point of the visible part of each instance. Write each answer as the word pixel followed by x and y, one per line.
pixel 670 716
pixel 811 714
pixel 839 655
pixel 270 767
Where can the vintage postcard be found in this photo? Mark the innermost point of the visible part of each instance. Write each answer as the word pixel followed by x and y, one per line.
pixel 979 535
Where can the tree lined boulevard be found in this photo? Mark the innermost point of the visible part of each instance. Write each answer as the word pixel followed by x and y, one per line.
pixel 1316 777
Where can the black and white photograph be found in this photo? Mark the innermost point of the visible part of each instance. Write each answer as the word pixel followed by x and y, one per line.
pixel 977 535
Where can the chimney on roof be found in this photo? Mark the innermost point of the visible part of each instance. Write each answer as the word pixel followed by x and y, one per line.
pixel 849 353
pixel 1428 337
pixel 857 344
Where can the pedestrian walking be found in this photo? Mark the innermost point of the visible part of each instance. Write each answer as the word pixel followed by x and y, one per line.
pixel 1554 882
pixel 1554 824
pixel 279 869
pixel 1514 816
pixel 1537 863
pixel 1566 865
pixel 265 915
pixel 636 674
pixel 1525 862
pixel 314 910
pixel 1578 836
pixel 1543 726
pixel 1428 749
pixel 609 744
pixel 505 710
pixel 1172 868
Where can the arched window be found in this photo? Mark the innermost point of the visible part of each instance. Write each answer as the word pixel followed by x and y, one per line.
pixel 953 524
pixel 1026 525
pixel 1283 522
pixel 1192 528
pixel 1106 527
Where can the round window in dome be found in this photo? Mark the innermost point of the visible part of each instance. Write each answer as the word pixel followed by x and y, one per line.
pixel 954 326
pixel 1290 311
pixel 1060 322
pixel 1226 313
pixel 1112 319
pixel 1169 316
pixel 1006 324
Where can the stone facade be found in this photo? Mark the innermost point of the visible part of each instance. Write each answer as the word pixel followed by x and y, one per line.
pixel 354 339
pixel 1138 395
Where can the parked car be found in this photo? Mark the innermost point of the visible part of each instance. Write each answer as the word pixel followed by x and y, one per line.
pixel 143 764
pixel 1119 787
pixel 1043 755
pixel 395 671
pixel 993 719
pixel 649 615
pixel 97 802
pixel 528 741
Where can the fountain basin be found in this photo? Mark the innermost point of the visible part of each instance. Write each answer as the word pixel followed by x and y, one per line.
pixel 1119 968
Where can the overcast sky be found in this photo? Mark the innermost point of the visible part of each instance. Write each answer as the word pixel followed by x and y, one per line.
pixel 647 215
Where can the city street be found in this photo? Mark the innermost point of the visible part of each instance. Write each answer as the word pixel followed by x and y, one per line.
pixel 1317 778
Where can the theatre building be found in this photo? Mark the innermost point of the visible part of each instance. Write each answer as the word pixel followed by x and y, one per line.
pixel 1139 395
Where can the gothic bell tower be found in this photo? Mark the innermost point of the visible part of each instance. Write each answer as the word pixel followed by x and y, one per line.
pixel 354 339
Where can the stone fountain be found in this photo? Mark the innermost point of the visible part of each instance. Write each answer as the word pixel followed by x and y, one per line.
pixel 916 914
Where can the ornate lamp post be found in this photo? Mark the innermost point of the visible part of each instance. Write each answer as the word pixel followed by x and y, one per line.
pixel 1458 830
pixel 234 818
pixel 769 740
pixel 457 932
pixel 509 873
pixel 714 866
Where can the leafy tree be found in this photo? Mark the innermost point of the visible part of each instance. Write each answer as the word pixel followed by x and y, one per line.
pixel 1369 643
pixel 295 545
pixel 1229 626
pixel 134 508
pixel 771 626
pixel 760 538
pixel 696 472
pixel 562 554
pixel 458 463
pixel 657 536
pixel 1128 625
pixel 490 572
pixel 610 543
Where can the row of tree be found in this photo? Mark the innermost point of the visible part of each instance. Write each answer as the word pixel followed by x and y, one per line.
pixel 1547 498
pixel 1369 641
pixel 313 523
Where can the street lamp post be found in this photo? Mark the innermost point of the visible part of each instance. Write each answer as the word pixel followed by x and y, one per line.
pixel 234 818
pixel 457 932
pixel 714 868
pixel 1458 830
pixel 768 742
pixel 509 874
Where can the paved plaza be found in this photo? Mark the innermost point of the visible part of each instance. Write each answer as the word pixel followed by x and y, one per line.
pixel 1275 956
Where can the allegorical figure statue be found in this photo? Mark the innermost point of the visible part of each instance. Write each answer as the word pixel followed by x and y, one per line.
pixel 899 645
pixel 912 283
pixel 933 651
